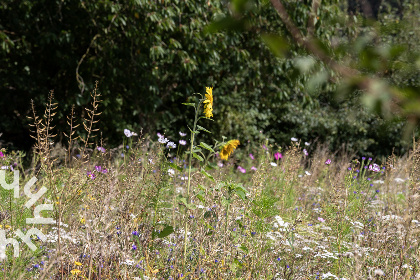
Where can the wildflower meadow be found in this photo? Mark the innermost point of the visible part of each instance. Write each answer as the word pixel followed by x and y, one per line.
pixel 173 207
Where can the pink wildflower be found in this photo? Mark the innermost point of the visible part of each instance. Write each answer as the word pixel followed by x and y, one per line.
pixel 241 169
pixel 278 156
pixel 374 168
pixel 91 175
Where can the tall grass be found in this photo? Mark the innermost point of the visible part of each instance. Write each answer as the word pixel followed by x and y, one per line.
pixel 127 212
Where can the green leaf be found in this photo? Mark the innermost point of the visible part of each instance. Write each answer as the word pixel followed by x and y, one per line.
pixel 194 151
pixel 205 146
pixel 278 45
pixel 200 196
pixel 240 191
pixel 183 200
pixel 173 165
pixel 198 157
pixel 244 248
pixel 189 206
pixel 227 23
pixel 240 6
pixel 202 128
pixel 188 104
pixel 166 231
pixel 237 262
pixel 207 174
pixel 241 194
pixel 225 201
pixel 210 166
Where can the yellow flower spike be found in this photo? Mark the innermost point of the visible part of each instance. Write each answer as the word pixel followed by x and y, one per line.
pixel 228 149
pixel 208 103
pixel 77 263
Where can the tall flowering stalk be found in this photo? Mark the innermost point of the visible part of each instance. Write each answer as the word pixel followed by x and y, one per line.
pixel 208 112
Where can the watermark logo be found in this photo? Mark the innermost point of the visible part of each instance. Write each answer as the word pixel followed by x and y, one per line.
pixel 36 220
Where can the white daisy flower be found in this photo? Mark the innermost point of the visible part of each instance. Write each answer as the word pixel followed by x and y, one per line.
pixel 171 172
pixel 127 133
pixel 273 164
pixel 171 145
pixel 163 140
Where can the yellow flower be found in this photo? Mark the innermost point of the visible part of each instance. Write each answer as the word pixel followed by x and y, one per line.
pixel 208 103
pixel 75 271
pixel 227 149
pixel 77 263
pixel 82 220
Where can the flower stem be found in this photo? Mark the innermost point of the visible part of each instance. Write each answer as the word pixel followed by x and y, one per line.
pixel 189 184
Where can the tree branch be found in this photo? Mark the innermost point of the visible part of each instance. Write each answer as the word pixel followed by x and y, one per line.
pixel 309 43
pixel 312 17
